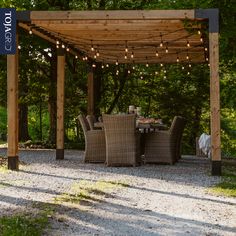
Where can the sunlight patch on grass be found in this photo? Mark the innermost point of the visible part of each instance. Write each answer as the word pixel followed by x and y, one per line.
pixel 228 185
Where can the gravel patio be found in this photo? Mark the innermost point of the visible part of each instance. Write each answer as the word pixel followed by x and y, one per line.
pixel 158 200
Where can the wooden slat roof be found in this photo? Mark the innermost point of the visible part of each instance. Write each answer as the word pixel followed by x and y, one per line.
pixel 111 32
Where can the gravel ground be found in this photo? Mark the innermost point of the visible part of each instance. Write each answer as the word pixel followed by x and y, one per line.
pixel 160 199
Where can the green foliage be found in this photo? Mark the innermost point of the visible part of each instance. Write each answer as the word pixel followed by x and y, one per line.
pixel 3 123
pixel 26 225
pixel 227 187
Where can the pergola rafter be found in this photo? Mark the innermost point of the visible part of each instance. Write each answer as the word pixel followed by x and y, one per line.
pixel 143 36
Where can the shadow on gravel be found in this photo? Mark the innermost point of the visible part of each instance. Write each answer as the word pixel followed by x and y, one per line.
pixel 122 220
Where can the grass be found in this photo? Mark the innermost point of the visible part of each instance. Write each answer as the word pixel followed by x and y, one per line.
pixel 27 224
pixel 86 191
pixel 227 187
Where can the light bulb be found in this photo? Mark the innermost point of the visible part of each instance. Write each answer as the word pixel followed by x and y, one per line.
pixel 125 56
pixel 76 57
pixel 161 44
pixel 161 64
pixel 128 71
pixel 157 54
pixel 57 46
pixel 164 71
pixel 57 42
pixel 132 55
pixel 188 73
pixel 67 49
pixel 167 50
pixel 147 65
pixel 177 60
pixel 102 66
pixel 156 73
pixel 188 44
pixel 182 67
pixel 107 65
pixel 201 39
pixel 189 65
pixel 19 47
pixel 117 63
pixel 199 32
pixel 97 54
pixel 94 65
pixel 206 49
pixel 63 46
pixel 164 77
pixel 30 32
pixel 133 67
pixel 141 77
pixel 207 59
pixel 187 57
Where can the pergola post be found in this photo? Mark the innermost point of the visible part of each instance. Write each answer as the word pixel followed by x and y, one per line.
pixel 91 92
pixel 12 110
pixel 215 100
pixel 60 103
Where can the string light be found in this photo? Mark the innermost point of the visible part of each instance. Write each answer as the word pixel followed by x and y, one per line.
pixel 94 65
pixel 164 71
pixel 92 48
pixel 141 77
pixel 161 64
pixel 207 59
pixel 117 63
pixel 167 48
pixel 86 58
pixel 161 43
pixel 201 39
pixel 57 42
pixel 19 47
pixel 102 66
pixel 156 73
pixel 206 49
pixel 182 67
pixel 188 73
pixel 95 56
pixel 129 72
pixel 57 46
pixel 164 76
pixel 63 46
pixel 126 47
pixel 209 64
pixel 187 57
pixel 157 54
pixel 132 54
pixel 67 49
pixel 177 59
pixel 188 44
pixel 189 65
pixel 97 53
pixel 125 56
pixel 76 57
pixel 30 31
pixel 199 32
pixel 133 67
pixel 147 65
pixel 107 65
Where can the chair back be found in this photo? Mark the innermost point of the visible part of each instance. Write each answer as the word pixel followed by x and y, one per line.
pixel 120 138
pixel 91 119
pixel 84 123
pixel 176 131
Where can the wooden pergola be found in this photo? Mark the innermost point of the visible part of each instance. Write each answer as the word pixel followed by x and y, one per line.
pixel 124 37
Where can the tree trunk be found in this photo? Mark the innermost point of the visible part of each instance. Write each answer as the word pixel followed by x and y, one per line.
pixel 23 123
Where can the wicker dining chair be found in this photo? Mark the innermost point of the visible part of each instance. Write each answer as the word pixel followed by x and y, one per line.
pixel 165 146
pixel 91 120
pixel 122 140
pixel 95 145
